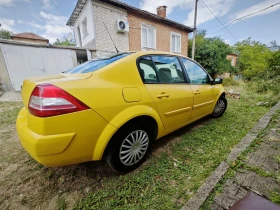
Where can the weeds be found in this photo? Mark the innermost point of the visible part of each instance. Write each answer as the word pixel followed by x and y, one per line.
pixel 231 82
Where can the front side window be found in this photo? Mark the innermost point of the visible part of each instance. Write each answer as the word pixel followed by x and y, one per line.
pixel 96 64
pixel 85 31
pixel 148 37
pixel 175 42
pixel 196 74
pixel 168 69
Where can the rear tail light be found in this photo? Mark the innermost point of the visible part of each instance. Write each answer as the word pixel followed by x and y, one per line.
pixel 48 100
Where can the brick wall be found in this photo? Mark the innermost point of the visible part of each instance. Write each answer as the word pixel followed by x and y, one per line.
pixel 162 34
pixel 109 14
pixel 232 58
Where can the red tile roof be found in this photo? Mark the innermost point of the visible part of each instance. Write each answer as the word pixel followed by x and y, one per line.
pixel 29 35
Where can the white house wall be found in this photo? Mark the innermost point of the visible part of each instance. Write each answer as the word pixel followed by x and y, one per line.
pixel 87 40
pixel 109 14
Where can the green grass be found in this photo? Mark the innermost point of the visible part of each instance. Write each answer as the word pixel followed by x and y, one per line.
pixel 168 179
pixel 275 197
pixel 240 165
pixel 178 166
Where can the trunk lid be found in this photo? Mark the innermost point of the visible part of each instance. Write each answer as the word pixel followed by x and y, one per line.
pixel 29 84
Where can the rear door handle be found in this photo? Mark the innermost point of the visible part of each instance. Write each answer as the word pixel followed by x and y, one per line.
pixel 163 95
pixel 197 92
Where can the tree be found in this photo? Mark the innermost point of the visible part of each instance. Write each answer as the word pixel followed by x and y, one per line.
pixel 273 43
pixel 252 59
pixel 5 34
pixel 274 65
pixel 211 53
pixel 65 42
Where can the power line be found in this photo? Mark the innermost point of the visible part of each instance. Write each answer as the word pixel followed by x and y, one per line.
pixel 246 16
pixel 219 20
pixel 250 15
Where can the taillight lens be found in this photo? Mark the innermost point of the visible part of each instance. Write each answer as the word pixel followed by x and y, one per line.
pixel 48 100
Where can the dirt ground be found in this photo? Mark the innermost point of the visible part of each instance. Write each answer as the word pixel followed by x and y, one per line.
pixel 25 184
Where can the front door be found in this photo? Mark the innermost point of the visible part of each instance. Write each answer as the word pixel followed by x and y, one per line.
pixel 166 82
pixel 204 99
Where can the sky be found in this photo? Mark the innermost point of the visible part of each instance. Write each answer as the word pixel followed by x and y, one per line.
pixel 48 17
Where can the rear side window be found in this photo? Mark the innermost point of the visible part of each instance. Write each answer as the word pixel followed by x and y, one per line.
pixel 147 70
pixel 161 69
pixel 168 69
pixel 96 64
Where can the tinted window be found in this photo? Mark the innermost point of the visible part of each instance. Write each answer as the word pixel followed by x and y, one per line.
pixel 96 64
pixel 168 69
pixel 147 70
pixel 196 74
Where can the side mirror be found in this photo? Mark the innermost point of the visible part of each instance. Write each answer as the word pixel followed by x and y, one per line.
pixel 218 80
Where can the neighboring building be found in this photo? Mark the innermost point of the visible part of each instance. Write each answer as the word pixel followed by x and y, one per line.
pixel 29 37
pixel 131 29
pixel 233 59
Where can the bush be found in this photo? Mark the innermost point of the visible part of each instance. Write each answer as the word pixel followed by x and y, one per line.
pixel 230 82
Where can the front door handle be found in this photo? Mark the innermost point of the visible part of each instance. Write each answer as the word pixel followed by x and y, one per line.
pixel 163 95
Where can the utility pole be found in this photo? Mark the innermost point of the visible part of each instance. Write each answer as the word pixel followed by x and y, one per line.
pixel 194 32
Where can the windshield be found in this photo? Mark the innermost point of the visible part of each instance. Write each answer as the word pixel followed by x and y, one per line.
pixel 94 65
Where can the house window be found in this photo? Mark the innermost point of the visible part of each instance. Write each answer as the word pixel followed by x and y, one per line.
pixel 79 36
pixel 175 42
pixel 148 37
pixel 85 32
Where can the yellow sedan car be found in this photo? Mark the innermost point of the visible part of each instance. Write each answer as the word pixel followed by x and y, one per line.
pixel 114 108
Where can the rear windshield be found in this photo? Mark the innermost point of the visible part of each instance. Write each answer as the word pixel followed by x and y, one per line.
pixel 93 65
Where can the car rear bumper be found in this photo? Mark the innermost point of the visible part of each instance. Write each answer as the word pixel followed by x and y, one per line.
pixel 38 145
pixel 66 147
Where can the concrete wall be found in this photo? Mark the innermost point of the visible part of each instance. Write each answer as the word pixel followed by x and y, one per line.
pixel 163 34
pixel 89 39
pixel 74 57
pixel 109 14
pixel 4 76
pixel 31 64
pixel 30 40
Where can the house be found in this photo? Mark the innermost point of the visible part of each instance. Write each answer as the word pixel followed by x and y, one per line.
pixel 233 59
pixel 97 24
pixel 29 37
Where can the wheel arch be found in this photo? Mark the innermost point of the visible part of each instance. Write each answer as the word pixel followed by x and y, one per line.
pixel 130 115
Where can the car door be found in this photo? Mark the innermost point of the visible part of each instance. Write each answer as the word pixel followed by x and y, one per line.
pixel 166 82
pixel 200 83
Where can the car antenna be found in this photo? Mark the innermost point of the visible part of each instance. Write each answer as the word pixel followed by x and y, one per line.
pixel 111 37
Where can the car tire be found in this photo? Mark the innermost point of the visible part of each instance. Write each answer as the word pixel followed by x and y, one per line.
pixel 220 107
pixel 129 147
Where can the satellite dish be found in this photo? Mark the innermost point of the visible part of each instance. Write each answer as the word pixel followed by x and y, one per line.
pixel 69 36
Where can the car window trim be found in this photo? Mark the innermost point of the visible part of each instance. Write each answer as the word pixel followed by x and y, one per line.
pixel 187 81
pixel 209 77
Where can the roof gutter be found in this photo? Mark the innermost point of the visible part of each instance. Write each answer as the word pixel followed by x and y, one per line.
pixel 81 3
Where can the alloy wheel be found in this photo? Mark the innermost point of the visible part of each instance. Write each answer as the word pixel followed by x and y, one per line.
pixel 134 147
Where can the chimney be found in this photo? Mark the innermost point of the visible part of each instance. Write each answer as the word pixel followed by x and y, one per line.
pixel 161 11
